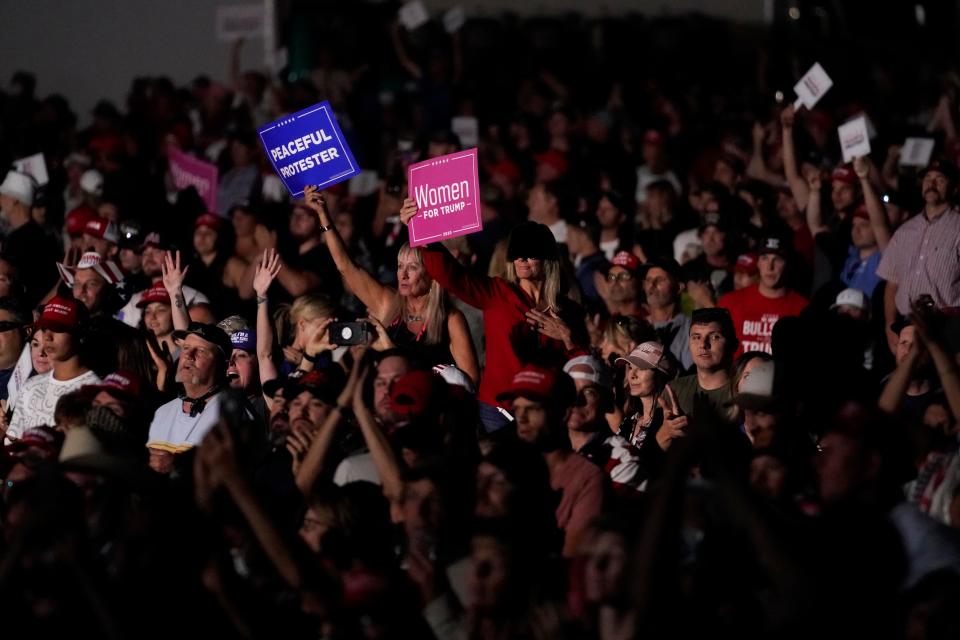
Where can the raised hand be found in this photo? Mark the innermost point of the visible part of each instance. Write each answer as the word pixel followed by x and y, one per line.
pixel 788 116
pixel 267 270
pixel 382 341
pixel 319 340
pixel 172 274
pixel 298 444
pixel 860 167
pixel 314 199
pixel 674 422
pixel 408 210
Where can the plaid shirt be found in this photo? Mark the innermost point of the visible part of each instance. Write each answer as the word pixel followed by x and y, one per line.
pixel 924 257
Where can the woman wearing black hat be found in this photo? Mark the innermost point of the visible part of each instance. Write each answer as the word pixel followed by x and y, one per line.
pixel 527 316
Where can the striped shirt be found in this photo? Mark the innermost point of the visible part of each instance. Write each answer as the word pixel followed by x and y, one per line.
pixel 924 257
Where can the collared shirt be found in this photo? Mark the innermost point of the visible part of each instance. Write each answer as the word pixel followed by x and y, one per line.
pixel 861 273
pixel 923 257
pixel 175 431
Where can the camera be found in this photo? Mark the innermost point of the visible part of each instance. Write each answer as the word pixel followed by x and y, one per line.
pixel 350 333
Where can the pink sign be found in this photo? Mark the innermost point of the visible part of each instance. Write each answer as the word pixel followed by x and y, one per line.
pixel 188 171
pixel 447 192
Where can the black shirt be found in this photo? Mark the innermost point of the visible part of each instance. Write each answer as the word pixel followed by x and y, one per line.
pixel 35 256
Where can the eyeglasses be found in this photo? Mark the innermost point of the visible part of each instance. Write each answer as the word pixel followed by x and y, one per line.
pixel 624 276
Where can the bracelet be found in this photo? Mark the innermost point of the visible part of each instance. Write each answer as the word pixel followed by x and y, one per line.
pixel 261 300
pixel 311 358
pixel 323 229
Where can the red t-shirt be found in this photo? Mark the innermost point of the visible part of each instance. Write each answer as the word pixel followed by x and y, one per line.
pixel 755 314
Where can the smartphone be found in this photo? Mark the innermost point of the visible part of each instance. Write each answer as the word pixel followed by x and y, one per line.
pixel 351 333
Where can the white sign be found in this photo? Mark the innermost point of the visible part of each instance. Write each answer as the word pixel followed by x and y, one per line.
pixel 453 20
pixel 854 139
pixel 237 21
pixel 413 15
pixel 811 87
pixel 467 130
pixel 34 166
pixel 916 152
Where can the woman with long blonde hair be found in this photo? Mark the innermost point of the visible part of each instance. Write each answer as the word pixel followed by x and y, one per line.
pixel 417 314
pixel 527 316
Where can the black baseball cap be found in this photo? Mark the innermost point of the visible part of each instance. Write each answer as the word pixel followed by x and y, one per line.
pixel 531 240
pixel 209 332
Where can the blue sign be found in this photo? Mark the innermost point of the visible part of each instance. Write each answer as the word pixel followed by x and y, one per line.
pixel 308 147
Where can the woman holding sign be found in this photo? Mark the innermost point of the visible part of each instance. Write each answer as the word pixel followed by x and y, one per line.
pixel 417 314
pixel 527 316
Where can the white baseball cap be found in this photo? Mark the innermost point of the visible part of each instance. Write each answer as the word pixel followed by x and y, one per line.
pixel 20 186
pixel 587 368
pixel 851 298
pixel 92 182
pixel 107 269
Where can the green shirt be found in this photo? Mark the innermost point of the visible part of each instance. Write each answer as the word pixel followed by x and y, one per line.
pixel 687 389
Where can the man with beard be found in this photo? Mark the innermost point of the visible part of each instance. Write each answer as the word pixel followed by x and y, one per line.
pixel 923 257
pixel 306 268
pixel 154 249
pixel 181 424
pixel 540 401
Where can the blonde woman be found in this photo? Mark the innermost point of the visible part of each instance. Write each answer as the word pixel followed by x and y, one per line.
pixel 417 314
pixel 527 316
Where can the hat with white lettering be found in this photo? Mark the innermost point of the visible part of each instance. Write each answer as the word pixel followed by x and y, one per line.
pixel 773 244
pixel 107 269
pixel 20 186
pixel 588 368
pixel 650 355
pixel 103 229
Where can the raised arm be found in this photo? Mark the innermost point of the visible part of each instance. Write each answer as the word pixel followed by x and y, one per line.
pixel 476 290
pixel 878 214
pixel 312 465
pixel 405 60
pixel 384 459
pixel 173 282
pixel 757 167
pixel 374 295
pixel 798 185
pixel 461 345
pixel 814 219
pixel 266 270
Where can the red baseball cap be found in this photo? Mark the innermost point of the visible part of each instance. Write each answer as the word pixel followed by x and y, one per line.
pixel 77 219
pixel 123 385
pixel 416 392
pixel 103 229
pixel 210 220
pixel 861 212
pixel 626 260
pixel 156 293
pixel 843 173
pixel 61 315
pixel 540 384
pixel 553 158
pixel 46 441
pixel 747 263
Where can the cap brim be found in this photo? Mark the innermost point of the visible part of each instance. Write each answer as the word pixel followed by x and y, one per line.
pixel 513 394
pixel 56 327
pixel 637 362
pixel 754 401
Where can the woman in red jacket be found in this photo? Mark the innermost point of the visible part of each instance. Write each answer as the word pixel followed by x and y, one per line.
pixel 527 316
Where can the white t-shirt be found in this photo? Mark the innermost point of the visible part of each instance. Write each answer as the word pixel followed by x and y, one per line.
pixel 38 399
pixel 175 431
pixel 609 247
pixel 131 314
pixel 559 231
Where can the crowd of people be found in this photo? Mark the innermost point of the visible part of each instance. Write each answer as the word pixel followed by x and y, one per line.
pixel 694 375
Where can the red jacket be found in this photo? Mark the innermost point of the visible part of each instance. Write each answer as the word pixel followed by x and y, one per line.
pixel 511 342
